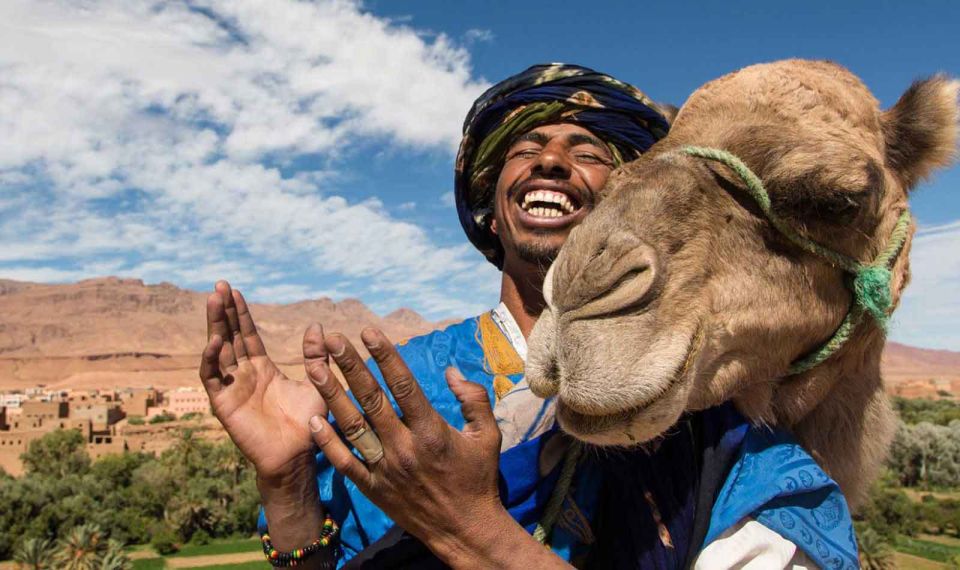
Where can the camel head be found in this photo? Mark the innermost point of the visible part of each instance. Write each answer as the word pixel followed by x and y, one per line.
pixel 679 292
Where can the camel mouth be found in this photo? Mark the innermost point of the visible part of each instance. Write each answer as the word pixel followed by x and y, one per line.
pixel 614 428
pixel 638 422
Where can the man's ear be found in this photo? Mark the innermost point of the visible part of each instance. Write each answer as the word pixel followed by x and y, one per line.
pixel 493 226
pixel 921 130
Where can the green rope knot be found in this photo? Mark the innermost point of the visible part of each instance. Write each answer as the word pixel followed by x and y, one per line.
pixel 872 289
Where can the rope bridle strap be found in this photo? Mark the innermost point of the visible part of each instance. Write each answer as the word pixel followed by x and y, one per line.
pixel 871 281
pixel 552 510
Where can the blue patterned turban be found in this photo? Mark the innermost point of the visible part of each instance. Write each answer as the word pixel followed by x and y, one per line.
pixel 617 113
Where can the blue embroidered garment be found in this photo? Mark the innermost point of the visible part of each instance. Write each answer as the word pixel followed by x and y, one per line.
pixel 782 487
pixel 620 497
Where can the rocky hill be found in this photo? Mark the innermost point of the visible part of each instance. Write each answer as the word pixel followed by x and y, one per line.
pixel 109 332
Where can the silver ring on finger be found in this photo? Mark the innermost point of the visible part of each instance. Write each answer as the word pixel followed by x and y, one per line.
pixel 368 444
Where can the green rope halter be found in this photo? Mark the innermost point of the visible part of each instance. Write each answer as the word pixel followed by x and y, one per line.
pixel 871 281
pixel 550 513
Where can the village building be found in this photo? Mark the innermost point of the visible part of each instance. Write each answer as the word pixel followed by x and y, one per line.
pixel 100 416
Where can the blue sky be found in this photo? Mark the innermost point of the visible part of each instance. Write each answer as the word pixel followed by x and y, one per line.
pixel 305 149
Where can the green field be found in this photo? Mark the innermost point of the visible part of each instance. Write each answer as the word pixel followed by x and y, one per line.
pixel 222 546
pixel 927 549
pixel 258 565
pixel 216 547
pixel 160 564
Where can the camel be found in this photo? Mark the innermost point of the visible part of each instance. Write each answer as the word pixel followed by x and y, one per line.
pixel 681 291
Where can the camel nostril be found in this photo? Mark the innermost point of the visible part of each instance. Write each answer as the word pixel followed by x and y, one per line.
pixel 626 274
pixel 544 378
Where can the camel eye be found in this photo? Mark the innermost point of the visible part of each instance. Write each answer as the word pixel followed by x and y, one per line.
pixel 806 198
pixel 833 206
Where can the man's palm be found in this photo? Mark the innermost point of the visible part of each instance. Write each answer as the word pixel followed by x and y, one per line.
pixel 265 413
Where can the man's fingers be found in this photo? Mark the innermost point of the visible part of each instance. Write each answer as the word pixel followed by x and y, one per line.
pixel 364 387
pixel 210 365
pixel 216 317
pixel 338 454
pixel 474 403
pixel 348 417
pixel 313 349
pixel 252 342
pixel 217 326
pixel 233 322
pixel 404 387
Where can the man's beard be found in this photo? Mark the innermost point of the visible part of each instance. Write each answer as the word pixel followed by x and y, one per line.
pixel 537 252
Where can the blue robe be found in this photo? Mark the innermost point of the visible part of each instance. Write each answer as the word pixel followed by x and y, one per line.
pixel 654 506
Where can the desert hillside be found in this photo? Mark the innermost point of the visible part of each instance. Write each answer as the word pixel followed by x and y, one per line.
pixel 108 332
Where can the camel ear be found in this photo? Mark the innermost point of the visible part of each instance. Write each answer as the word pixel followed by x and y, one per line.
pixel 921 129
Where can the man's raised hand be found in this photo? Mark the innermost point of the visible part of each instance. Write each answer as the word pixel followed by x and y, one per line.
pixel 263 411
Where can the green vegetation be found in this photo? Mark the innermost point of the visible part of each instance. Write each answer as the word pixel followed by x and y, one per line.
pixel 926 549
pixel 938 412
pixel 258 565
pixel 56 455
pixel 220 547
pixel 195 487
pixel 135 420
pixel 149 564
pixel 915 507
pixel 84 547
pixel 875 554
pixel 161 418
pixel 927 455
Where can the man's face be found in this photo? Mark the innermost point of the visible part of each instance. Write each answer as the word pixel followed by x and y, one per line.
pixel 550 181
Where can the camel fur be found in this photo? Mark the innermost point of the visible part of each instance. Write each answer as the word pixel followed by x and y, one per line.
pixel 677 294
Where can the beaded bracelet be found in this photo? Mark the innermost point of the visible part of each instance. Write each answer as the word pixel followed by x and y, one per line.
pixel 295 557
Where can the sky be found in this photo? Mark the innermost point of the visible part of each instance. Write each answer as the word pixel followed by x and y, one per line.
pixel 305 149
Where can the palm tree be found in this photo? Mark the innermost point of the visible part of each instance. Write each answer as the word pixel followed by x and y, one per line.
pixel 875 554
pixel 34 554
pixel 231 460
pixel 114 558
pixel 189 449
pixel 81 548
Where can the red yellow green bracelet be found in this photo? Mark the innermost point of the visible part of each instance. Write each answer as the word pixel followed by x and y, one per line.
pixel 295 557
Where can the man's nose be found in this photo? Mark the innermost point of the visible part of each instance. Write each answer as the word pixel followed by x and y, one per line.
pixel 552 161
pixel 602 272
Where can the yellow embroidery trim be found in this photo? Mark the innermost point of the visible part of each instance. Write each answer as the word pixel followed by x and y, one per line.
pixel 499 356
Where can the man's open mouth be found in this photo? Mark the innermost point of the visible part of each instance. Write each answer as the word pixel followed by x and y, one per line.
pixel 548 204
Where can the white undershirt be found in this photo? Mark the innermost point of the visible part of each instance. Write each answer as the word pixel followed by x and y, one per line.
pixel 508 325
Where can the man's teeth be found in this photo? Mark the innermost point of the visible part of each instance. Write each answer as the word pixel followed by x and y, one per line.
pixel 564 206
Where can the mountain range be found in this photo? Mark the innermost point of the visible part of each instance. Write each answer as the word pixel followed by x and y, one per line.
pixel 107 332
pixel 112 332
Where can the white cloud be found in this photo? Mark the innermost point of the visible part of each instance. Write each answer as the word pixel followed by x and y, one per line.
pixel 143 137
pixel 42 274
pixel 448 199
pixel 930 309
pixel 474 35
pixel 289 293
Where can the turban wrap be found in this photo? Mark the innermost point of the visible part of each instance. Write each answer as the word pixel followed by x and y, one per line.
pixel 617 113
